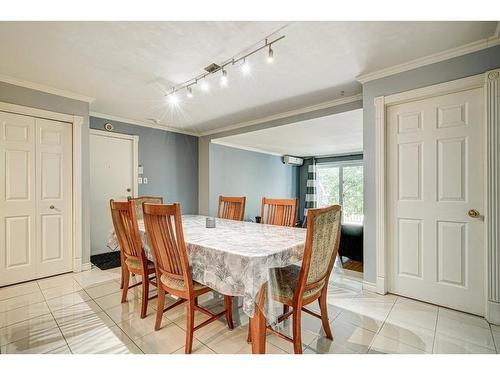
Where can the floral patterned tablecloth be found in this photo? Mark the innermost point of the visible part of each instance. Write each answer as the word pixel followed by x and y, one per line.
pixel 236 257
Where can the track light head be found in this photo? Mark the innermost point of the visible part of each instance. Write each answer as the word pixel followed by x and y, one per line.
pixel 223 79
pixel 173 99
pixel 204 86
pixel 270 55
pixel 189 93
pixel 245 67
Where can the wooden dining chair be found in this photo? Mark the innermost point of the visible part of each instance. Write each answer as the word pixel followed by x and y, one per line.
pixel 232 208
pixel 138 213
pixel 166 239
pixel 132 251
pixel 138 201
pixel 279 211
pixel 296 287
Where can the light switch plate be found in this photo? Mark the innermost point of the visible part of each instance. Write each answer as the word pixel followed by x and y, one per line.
pixel 139 180
pixel 145 180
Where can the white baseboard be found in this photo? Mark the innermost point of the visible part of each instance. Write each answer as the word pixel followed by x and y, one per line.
pixel 78 266
pixel 493 312
pixel 86 266
pixel 370 287
pixel 381 285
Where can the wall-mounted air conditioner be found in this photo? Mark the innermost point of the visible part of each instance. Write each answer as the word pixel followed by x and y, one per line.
pixel 292 160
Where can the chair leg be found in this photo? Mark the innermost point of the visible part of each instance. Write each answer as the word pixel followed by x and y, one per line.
pixel 122 281
pixel 324 314
pixel 159 307
pixel 297 336
pixel 145 295
pixel 126 276
pixel 228 305
pixel 123 268
pixel 190 326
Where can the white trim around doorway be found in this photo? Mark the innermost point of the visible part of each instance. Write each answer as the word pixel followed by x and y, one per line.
pixel 77 123
pixel 491 246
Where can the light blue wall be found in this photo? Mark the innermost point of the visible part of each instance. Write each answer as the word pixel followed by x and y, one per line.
pixel 235 172
pixel 456 68
pixel 49 102
pixel 169 160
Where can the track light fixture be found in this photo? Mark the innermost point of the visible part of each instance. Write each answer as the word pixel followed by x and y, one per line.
pixel 214 68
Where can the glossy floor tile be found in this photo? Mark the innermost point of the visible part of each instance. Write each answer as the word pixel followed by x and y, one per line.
pixel 83 313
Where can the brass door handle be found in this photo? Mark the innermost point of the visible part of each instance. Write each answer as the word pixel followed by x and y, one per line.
pixel 129 190
pixel 473 213
pixel 52 207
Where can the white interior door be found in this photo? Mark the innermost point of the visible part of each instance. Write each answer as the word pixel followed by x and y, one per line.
pixel 113 171
pixel 35 173
pixel 54 197
pixel 436 175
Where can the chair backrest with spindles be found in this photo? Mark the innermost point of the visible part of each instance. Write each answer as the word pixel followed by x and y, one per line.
pixel 163 223
pixel 144 199
pixel 232 208
pixel 126 229
pixel 279 211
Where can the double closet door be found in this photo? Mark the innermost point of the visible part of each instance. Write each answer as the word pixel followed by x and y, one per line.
pixel 35 198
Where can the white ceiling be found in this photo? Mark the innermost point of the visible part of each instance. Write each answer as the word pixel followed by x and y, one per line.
pixel 336 134
pixel 127 66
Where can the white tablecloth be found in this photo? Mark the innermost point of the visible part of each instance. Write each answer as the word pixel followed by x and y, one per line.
pixel 236 258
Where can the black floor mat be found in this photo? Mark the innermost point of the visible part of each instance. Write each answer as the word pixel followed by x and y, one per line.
pixel 107 260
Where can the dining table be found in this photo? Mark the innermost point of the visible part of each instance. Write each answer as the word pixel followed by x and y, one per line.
pixel 238 258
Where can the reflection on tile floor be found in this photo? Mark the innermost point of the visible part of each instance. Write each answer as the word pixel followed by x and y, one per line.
pixel 82 313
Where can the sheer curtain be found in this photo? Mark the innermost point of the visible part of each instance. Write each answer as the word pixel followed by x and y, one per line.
pixel 311 197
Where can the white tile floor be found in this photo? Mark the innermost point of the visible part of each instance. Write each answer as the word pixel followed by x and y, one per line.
pixel 82 313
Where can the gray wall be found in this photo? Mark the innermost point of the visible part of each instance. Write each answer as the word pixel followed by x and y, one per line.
pixel 456 68
pixel 236 172
pixel 37 99
pixel 169 160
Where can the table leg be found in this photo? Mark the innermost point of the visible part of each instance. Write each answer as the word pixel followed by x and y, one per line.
pixel 258 329
pixel 258 325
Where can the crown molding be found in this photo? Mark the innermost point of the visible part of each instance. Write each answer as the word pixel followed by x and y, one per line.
pixel 300 111
pixel 252 149
pixel 45 88
pixel 125 120
pixel 434 58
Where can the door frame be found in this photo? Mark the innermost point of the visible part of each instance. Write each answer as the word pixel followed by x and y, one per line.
pixel 77 126
pixel 490 82
pixel 135 154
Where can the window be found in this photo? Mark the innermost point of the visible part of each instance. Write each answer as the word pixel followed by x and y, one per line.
pixel 341 183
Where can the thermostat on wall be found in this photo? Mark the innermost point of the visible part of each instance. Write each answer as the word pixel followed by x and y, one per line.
pixel 108 126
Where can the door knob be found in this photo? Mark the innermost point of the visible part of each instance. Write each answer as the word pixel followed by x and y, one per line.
pixel 473 213
pixel 52 207
pixel 129 190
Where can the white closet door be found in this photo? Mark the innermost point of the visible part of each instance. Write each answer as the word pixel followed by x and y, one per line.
pixel 436 177
pixel 35 198
pixel 17 198
pixel 54 197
